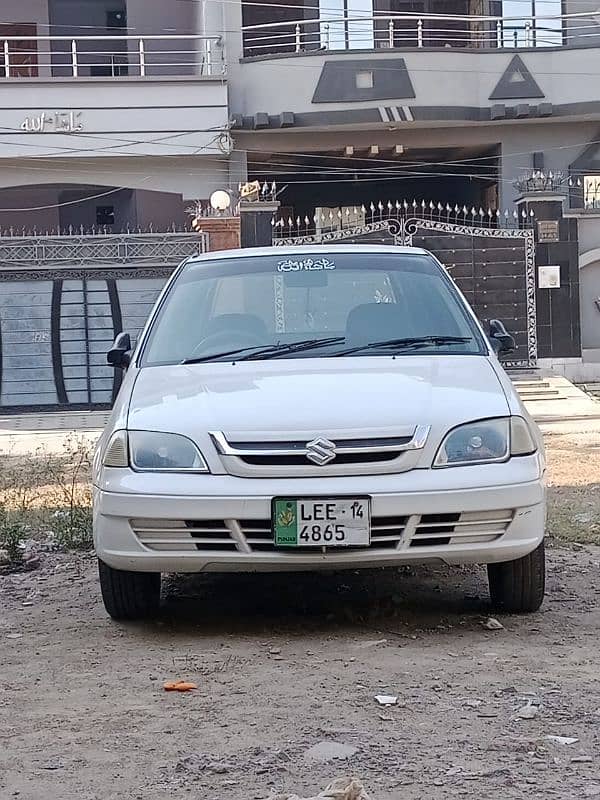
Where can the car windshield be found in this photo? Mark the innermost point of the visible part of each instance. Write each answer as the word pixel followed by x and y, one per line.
pixel 322 304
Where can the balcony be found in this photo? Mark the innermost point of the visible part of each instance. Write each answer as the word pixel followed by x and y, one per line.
pixel 111 56
pixel 379 31
pixel 112 95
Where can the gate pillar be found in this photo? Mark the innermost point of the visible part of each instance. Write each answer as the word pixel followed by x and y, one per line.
pixel 256 220
pixel 222 233
pixel 557 290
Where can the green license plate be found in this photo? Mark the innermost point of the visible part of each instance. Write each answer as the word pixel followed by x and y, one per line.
pixel 322 522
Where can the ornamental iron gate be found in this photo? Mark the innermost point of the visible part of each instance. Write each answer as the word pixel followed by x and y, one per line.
pixel 493 266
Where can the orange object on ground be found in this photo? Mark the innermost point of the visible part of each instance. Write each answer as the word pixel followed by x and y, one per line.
pixel 179 686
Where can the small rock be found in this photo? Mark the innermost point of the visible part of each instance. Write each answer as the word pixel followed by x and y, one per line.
pixel 4 558
pixel 492 624
pixel 472 703
pixel 55 763
pixel 438 782
pixel 27 603
pixel 581 759
pixel 329 751
pixel 14 635
pixel 275 651
pixel 370 643
pixel 528 711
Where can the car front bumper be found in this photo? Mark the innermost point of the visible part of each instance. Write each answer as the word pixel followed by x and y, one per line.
pixel 221 523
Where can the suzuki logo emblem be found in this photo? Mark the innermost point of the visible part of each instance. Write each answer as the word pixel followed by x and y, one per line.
pixel 320 451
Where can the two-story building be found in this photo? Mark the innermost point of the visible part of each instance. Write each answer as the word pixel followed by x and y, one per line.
pixel 113 113
pixel 348 103
pixel 119 114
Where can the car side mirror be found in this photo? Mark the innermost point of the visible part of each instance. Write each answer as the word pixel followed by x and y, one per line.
pixel 119 355
pixel 501 340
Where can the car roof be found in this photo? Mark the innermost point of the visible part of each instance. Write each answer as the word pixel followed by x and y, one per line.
pixel 312 249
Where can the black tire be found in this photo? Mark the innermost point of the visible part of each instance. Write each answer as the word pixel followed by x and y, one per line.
pixel 517 587
pixel 129 595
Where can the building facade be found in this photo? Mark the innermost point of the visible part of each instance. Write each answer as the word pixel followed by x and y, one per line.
pixel 120 114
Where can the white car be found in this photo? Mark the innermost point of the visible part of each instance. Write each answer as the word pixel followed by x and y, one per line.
pixel 309 408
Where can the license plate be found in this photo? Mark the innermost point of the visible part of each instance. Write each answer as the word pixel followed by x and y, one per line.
pixel 321 522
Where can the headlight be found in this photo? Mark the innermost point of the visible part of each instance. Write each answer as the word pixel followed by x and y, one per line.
pixel 164 452
pixel 485 442
pixel 150 451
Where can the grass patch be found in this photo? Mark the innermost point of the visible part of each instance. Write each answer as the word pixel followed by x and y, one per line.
pixel 47 496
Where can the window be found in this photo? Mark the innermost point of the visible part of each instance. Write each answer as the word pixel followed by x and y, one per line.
pixel 591 191
pixel 22 57
pixel 543 32
pixel 216 307
pixel 364 80
pixel 105 215
pixel 346 24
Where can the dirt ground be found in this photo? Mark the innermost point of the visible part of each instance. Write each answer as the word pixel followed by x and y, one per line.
pixel 283 664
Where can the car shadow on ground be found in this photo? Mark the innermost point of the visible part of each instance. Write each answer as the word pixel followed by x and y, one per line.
pixel 423 597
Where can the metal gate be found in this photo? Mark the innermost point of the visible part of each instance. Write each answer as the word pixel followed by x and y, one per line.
pixel 62 301
pixel 493 266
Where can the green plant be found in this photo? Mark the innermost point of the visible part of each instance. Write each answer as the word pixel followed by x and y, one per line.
pixel 70 495
pixel 12 532
pixel 45 492
pixel 72 527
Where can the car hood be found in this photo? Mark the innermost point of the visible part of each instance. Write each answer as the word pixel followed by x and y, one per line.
pixel 373 395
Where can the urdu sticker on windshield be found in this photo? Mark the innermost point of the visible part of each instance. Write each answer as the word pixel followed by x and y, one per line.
pixel 300 265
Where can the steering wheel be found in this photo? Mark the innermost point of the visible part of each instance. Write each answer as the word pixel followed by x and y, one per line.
pixel 227 340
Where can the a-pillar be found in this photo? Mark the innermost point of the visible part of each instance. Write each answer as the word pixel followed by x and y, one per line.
pixel 557 290
pixel 256 220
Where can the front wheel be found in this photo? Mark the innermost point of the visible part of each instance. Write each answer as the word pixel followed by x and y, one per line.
pixel 518 586
pixel 129 595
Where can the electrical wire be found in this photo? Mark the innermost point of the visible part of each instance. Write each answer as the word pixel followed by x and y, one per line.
pixel 67 202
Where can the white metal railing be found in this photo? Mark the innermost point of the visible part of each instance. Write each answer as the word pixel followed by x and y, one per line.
pixel 380 31
pixel 111 56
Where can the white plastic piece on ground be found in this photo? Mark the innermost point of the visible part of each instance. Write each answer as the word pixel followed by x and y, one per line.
pixel 562 739
pixel 340 789
pixel 328 751
pixel 493 624
pixel 386 699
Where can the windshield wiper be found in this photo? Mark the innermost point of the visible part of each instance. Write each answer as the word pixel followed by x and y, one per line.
pixel 407 343
pixel 270 351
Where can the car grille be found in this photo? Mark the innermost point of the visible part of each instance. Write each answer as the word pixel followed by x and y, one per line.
pixel 331 455
pixel 256 535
